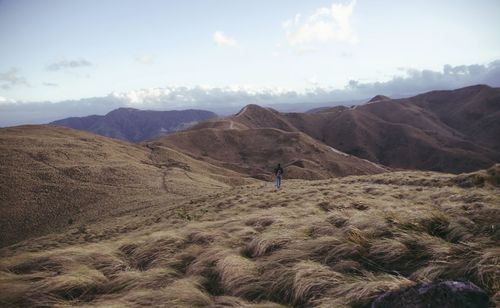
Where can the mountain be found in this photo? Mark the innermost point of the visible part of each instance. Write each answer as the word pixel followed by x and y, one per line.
pixel 451 131
pixel 135 125
pixel 256 139
pixel 54 177
pixel 256 152
pixel 377 98
pixel 473 112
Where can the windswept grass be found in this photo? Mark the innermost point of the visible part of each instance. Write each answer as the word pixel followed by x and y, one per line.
pixel 332 243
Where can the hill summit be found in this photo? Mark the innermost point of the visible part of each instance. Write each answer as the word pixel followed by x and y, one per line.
pixel 378 98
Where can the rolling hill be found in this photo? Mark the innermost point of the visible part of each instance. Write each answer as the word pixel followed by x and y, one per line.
pixel 53 178
pixel 450 131
pixel 135 125
pixel 257 151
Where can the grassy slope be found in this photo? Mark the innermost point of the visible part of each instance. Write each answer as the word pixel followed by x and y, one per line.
pixel 52 178
pixel 338 242
pixel 257 151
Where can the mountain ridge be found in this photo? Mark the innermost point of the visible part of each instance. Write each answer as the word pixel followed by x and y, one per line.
pixel 136 125
pixel 452 131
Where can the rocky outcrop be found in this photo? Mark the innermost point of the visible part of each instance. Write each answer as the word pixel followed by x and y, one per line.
pixel 443 294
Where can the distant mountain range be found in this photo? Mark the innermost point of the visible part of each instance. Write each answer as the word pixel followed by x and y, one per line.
pixel 135 125
pixel 450 131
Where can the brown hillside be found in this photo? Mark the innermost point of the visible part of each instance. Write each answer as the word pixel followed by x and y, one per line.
pixel 452 131
pixel 52 178
pixel 403 136
pixel 257 151
pixel 473 111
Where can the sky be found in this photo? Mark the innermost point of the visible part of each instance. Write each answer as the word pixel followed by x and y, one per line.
pixel 60 58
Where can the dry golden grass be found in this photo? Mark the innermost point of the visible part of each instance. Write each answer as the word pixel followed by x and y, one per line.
pixel 53 179
pixel 330 243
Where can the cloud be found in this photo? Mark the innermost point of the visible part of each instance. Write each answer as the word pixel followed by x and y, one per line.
pixel 229 99
pixel 145 59
pixel 11 78
pixel 222 40
pixel 313 80
pixel 417 81
pixel 302 50
pixel 5 100
pixel 326 24
pixel 346 54
pixel 50 84
pixel 67 64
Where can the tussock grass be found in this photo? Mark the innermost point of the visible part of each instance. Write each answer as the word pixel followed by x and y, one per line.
pixel 387 251
pixel 337 219
pixel 321 229
pixel 486 268
pixel 330 250
pixel 203 237
pixel 79 282
pixel 185 292
pixel 231 301
pixel 14 287
pixel 239 276
pixel 133 279
pixel 263 245
pixel 433 271
pixel 152 252
pixel 417 227
pixel 311 281
pixel 360 292
pixel 205 265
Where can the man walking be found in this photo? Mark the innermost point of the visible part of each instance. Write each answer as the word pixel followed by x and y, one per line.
pixel 278 173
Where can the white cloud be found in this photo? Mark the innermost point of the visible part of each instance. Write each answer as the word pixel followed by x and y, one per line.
pixel 5 100
pixel 67 64
pixel 222 40
pixel 325 25
pixel 302 50
pixel 11 78
pixel 417 81
pixel 145 59
pixel 222 99
pixel 313 80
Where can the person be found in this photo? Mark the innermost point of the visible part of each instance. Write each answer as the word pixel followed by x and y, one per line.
pixel 278 173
